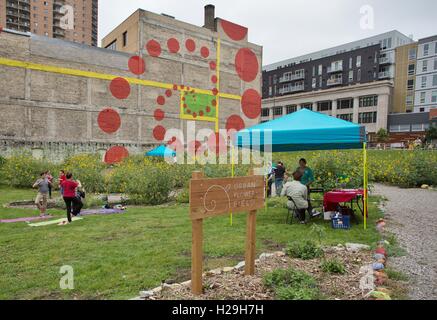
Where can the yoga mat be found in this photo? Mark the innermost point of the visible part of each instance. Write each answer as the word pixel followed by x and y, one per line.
pixel 101 212
pixel 28 219
pixel 48 223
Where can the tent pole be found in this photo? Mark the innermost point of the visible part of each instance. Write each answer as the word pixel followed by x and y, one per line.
pixel 365 184
pixel 233 175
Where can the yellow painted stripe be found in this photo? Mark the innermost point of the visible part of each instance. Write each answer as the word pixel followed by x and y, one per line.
pixel 101 76
pixel 206 119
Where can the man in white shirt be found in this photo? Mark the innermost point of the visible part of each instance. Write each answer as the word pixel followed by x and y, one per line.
pixel 296 191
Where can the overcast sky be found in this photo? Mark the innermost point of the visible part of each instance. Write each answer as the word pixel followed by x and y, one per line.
pixel 290 28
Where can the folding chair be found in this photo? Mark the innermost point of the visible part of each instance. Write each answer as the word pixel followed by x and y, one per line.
pixel 292 213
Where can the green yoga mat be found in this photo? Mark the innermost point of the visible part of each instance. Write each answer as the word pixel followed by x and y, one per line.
pixel 51 222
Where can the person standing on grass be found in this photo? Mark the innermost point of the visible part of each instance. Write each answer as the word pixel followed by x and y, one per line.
pixel 50 178
pixel 279 177
pixel 62 178
pixel 43 190
pixel 307 179
pixel 69 187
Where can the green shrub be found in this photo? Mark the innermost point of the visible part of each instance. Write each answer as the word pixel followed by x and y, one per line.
pixel 21 170
pixel 333 266
pixel 88 169
pixel 396 275
pixel 183 196
pixel 291 284
pixel 305 250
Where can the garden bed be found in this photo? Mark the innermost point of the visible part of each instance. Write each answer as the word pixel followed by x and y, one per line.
pixel 231 284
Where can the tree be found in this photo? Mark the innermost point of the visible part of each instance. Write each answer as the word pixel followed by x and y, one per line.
pixel 382 136
pixel 431 133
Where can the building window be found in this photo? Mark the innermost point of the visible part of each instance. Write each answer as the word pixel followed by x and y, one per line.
pixel 434 96
pixel 314 84
pixel 314 71
pixel 422 127
pixel 434 80
pixel 412 54
pixel 270 91
pixel 424 82
pixel 347 117
pixel 345 104
pixel 409 100
pixel 112 45
pixel 324 106
pixel 125 39
pixel 308 106
pixel 265 112
pixel 367 117
pixel 368 101
pixel 359 75
pixel 410 84
pixel 320 70
pixel 435 64
pixel 351 76
pixel 411 69
pixel 278 111
pixel 351 62
pixel 426 49
pixel 400 128
pixel 291 109
pixel 422 97
pixel 425 66
pixel 358 61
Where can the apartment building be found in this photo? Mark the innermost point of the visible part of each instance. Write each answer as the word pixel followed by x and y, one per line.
pixel 74 20
pixel 426 75
pixel 353 82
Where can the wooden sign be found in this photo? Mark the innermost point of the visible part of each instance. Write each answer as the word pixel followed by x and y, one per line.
pixel 214 197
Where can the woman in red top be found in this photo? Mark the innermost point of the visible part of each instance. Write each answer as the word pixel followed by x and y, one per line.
pixel 69 193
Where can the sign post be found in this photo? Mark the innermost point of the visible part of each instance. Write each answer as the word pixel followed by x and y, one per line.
pixel 215 197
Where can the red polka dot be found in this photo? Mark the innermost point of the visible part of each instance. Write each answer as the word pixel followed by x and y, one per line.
pixel 159 115
pixel 201 113
pixel 185 106
pixel 109 120
pixel 175 144
pixel 215 91
pixel 214 79
pixel 208 109
pixel 159 133
pixel 234 31
pixel 193 147
pixel 235 122
pixel 212 65
pixel 160 100
pixel 182 87
pixel 120 88
pixel 194 115
pixel 214 103
pixel 175 87
pixel 188 111
pixel 137 65
pixel 190 45
pixel 116 155
pixel 217 143
pixel 154 48
pixel 246 64
pixel 173 45
pixel 204 52
pixel 251 104
pixel 168 93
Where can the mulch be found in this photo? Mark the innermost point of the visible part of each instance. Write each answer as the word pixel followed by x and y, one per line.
pixel 233 285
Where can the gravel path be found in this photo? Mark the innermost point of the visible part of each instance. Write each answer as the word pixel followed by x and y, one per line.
pixel 412 216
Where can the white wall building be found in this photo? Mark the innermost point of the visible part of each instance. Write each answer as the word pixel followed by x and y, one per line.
pixel 426 75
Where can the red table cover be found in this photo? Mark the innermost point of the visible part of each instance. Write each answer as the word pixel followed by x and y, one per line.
pixel 333 198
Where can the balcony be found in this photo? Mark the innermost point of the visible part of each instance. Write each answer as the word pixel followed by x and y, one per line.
pixel 385 75
pixel 331 69
pixel 334 81
pixel 292 89
pixel 386 60
pixel 292 77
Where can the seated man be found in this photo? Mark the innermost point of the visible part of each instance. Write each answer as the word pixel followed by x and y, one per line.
pixel 297 194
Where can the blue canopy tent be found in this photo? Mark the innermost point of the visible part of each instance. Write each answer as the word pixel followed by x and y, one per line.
pixel 307 130
pixel 162 152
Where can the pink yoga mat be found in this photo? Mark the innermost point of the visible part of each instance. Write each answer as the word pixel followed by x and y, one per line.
pixel 28 219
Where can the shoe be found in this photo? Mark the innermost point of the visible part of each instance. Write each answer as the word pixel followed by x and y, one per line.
pixel 315 214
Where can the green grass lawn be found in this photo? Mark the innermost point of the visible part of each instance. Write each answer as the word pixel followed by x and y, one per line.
pixel 114 257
